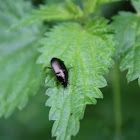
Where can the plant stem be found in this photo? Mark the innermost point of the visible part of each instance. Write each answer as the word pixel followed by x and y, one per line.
pixel 117 100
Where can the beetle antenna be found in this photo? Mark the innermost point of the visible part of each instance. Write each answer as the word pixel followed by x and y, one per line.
pixel 47 68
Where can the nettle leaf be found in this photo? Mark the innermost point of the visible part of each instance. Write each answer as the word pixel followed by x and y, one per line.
pixel 90 56
pixel 20 76
pixel 53 12
pixel 127 26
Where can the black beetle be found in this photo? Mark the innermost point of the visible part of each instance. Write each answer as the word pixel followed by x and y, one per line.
pixel 60 71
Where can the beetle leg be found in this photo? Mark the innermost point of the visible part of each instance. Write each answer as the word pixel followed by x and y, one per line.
pixel 47 68
pixel 57 83
pixel 69 68
pixel 63 92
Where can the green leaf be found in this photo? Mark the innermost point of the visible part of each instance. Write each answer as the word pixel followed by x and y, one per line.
pixel 75 9
pixel 90 56
pixel 90 6
pixel 53 12
pixel 127 26
pixel 20 76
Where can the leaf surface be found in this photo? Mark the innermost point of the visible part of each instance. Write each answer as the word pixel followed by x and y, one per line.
pixel 89 52
pixel 20 76
pixel 136 4
pixel 127 26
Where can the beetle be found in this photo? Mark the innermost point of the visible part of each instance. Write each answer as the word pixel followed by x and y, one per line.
pixel 59 70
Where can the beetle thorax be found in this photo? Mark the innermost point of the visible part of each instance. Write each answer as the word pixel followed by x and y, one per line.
pixel 57 69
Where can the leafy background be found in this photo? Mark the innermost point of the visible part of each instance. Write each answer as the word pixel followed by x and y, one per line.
pixel 36 125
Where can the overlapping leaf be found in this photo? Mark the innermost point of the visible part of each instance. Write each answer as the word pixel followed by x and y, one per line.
pixel 53 12
pixel 61 11
pixel 90 56
pixel 91 5
pixel 127 26
pixel 19 75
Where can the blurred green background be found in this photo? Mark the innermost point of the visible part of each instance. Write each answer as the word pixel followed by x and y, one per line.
pixel 98 123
